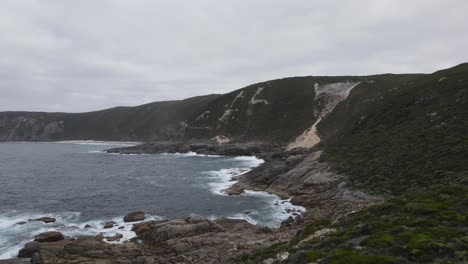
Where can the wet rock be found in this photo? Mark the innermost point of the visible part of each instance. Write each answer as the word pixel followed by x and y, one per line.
pixel 87 226
pixel 52 236
pixel 44 219
pixel 22 223
pixel 32 247
pixel 134 217
pixel 29 249
pixel 116 237
pixel 110 224
pixel 144 227
pixel 234 190
pixel 85 244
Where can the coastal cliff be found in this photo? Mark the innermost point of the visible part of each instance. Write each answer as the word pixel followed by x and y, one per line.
pixel 378 161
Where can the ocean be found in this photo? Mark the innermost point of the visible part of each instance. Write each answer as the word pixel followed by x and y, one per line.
pixel 79 184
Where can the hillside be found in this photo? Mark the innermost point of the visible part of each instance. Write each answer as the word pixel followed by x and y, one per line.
pixel 401 139
pixel 154 121
pixel 277 111
pixel 408 144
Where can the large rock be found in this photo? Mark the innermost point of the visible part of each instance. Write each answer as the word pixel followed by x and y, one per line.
pixel 44 219
pixel 115 237
pixel 34 247
pixel 109 224
pixel 142 228
pixel 134 217
pixel 181 228
pixel 29 249
pixel 52 236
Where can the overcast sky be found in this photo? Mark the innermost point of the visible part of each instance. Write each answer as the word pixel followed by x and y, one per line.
pixel 72 56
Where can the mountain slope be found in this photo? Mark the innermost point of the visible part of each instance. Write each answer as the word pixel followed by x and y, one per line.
pixel 154 121
pixel 409 144
pixel 276 111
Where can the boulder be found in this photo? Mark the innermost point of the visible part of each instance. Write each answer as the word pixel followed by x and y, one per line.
pixel 86 244
pixel 142 228
pixel 116 237
pixel 110 224
pixel 34 246
pixel 176 229
pixel 29 249
pixel 134 217
pixel 44 219
pixel 52 236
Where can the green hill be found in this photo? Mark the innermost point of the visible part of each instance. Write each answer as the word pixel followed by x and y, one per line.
pixel 409 144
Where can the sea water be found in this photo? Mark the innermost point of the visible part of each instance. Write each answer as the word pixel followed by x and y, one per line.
pixel 79 184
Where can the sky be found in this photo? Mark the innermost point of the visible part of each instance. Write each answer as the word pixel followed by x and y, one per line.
pixel 75 56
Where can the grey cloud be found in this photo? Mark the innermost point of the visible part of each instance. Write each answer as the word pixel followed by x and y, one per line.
pixel 86 55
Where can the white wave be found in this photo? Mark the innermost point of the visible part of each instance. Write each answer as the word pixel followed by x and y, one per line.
pixel 223 179
pixel 111 153
pixel 97 227
pixel 98 143
pixel 14 236
pixel 244 217
pixel 281 209
pixel 190 154
pixel 277 209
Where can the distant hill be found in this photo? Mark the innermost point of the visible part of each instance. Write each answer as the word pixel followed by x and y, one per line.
pixel 295 112
pixel 274 111
pixel 154 121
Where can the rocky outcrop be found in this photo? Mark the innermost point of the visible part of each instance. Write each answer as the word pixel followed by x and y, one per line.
pixel 115 237
pixel 134 217
pixel 52 236
pixel 109 224
pixel 194 239
pixel 192 226
pixel 44 219
pixel 231 149
pixel 310 182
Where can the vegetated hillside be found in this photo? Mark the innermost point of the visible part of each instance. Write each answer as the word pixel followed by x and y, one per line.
pixel 410 144
pixel 278 110
pixel 154 121
pixel 275 111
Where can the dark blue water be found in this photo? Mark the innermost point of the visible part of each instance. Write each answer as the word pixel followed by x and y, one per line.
pixel 78 184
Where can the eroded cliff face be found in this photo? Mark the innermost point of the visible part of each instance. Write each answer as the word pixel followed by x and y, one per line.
pixel 30 127
pixel 155 121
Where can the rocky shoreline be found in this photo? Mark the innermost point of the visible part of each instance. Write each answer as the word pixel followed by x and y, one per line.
pixel 297 174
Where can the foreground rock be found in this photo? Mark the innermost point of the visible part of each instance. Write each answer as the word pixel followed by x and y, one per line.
pixel 116 237
pixel 44 219
pixel 134 217
pixel 194 239
pixel 52 236
pixel 109 224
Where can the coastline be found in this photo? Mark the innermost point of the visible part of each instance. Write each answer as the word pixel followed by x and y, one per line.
pixel 238 184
